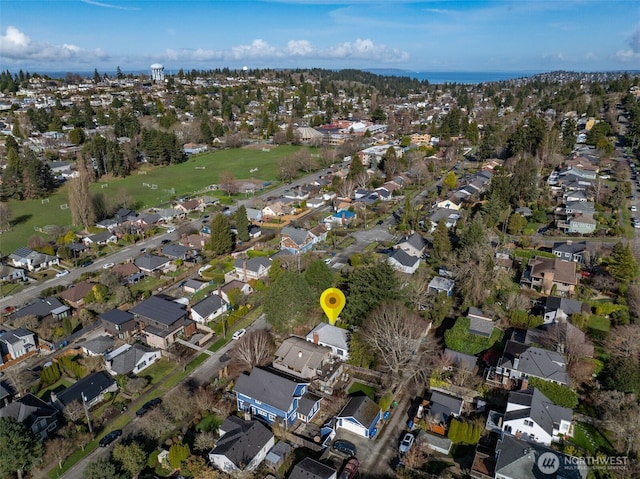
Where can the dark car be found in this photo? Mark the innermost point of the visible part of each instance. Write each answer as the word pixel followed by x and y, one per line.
pixel 148 405
pixel 379 222
pixel 345 447
pixel 165 241
pixel 84 264
pixel 350 469
pixel 109 438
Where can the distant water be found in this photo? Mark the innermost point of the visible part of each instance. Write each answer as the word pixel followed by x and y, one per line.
pixel 467 78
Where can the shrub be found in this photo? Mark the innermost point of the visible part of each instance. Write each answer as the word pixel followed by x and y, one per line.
pixel 557 393
pixel 460 339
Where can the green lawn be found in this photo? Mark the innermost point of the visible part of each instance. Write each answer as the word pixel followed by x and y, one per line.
pixel 170 181
pixel 362 388
pixel 591 439
pixel 58 386
pixel 209 423
pixel 599 322
pixel 159 370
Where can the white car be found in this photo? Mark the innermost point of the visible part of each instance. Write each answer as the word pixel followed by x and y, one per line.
pixel 108 265
pixel 239 333
pixel 634 208
pixel 62 273
pixel 406 443
pixel 171 230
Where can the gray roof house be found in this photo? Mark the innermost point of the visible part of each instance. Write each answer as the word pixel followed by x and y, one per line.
pixel 208 309
pixel 480 323
pixel 133 360
pixel 118 323
pixel 309 468
pixel 98 346
pixel 43 307
pixel 333 337
pixel 520 361
pixel 442 407
pixel 9 273
pixel 413 244
pixel 360 415
pixel 557 309
pixel 175 251
pixel 403 262
pixel 100 238
pixel 570 250
pixel 16 343
pixel 90 389
pixel 150 262
pixel 441 285
pixel 252 268
pixel 300 357
pixel 31 260
pixel 164 320
pixel 242 445
pixel 531 416
pixel 34 413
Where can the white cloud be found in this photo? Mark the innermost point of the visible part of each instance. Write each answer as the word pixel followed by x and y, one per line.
pixel 16 45
pixel 108 5
pixel 632 54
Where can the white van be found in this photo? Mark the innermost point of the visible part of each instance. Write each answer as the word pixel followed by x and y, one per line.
pixel 203 269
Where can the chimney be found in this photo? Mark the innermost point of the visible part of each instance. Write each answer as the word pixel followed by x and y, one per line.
pixel 569 242
pixel 516 362
pixel 525 384
pixel 316 338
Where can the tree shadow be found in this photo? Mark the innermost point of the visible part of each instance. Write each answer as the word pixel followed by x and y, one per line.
pixel 20 219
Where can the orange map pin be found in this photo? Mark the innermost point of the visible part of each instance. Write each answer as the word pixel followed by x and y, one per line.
pixel 332 301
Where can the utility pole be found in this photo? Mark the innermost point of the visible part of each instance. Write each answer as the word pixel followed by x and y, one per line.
pixel 86 412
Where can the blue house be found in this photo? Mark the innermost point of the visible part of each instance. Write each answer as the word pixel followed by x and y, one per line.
pixel 275 396
pixel 360 415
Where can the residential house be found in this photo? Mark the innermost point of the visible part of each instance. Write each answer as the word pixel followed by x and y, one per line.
pixel 169 214
pixel 301 358
pixel 118 323
pixel 562 336
pixel 162 321
pixel 360 415
pixel 557 309
pixel 550 274
pixel 333 337
pixel 148 263
pixel 461 360
pixel 98 346
pixel 31 260
pixel 176 251
pixel 254 232
pixel 6 393
pixel 300 240
pixel 441 285
pixel 196 242
pixel 275 209
pixel 101 239
pixel 309 468
pixel 449 216
pixel 9 274
pixel 252 268
pixel 242 446
pixel 412 244
pixel 209 309
pixel 520 361
pixel 192 286
pixel 572 196
pixel 129 272
pixel 42 308
pixel 189 206
pixel 133 359
pixel 275 396
pixel 74 296
pixel 403 262
pixel 531 416
pixel 244 288
pixel 125 215
pixel 442 407
pixel 570 250
pixel 514 458
pixel 89 390
pixel 451 203
pixel 34 413
pixel 16 343
pixel 480 323
pixel 277 455
pixel 315 202
pixel 340 218
pixel 580 223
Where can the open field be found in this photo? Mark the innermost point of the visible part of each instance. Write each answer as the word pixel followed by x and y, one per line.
pixel 189 177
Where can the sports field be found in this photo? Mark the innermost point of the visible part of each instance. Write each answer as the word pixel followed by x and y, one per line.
pixel 156 186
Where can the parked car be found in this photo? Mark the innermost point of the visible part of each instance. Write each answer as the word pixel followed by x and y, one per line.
pixel 171 230
pixel 634 208
pixel 109 438
pixel 62 273
pixel 165 241
pixel 108 265
pixel 350 469
pixel 86 263
pixel 345 447
pixel 406 443
pixel 146 407
pixel 239 333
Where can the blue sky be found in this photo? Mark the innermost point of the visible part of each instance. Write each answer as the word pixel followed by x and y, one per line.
pixel 479 35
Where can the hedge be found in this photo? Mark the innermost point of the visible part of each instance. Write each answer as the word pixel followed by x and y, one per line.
pixel 557 393
pixel 460 339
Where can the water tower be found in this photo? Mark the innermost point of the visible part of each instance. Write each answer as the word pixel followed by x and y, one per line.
pixel 157 73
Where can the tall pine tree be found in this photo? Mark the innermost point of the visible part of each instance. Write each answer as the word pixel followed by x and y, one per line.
pixel 221 241
pixel 242 223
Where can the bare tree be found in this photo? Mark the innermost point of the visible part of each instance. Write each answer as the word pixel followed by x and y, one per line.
pixel 92 363
pixel 345 188
pixel 204 441
pixel 204 399
pixel 155 423
pixel 622 414
pixel 624 341
pixel 5 217
pixel 567 339
pixel 228 183
pixel 178 403
pixel 305 161
pixel 253 349
pixel 361 179
pixel 288 168
pixel 59 448
pixel 136 385
pixel 416 457
pixel 418 288
pixel 73 411
pixel 394 332
pixel 19 379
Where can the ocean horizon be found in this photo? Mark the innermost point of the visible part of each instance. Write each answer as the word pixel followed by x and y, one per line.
pixel 468 78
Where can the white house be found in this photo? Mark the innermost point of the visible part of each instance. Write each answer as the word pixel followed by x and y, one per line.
pixel 530 415
pixel 333 337
pixel 208 309
pixel 132 359
pixel 242 446
pixel 16 343
pixel 403 262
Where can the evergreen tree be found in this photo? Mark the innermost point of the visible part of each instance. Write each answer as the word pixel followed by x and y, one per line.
pixel 441 242
pixel 319 276
pixel 242 223
pixel 221 241
pixel 287 301
pixel 20 450
pixel 622 264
